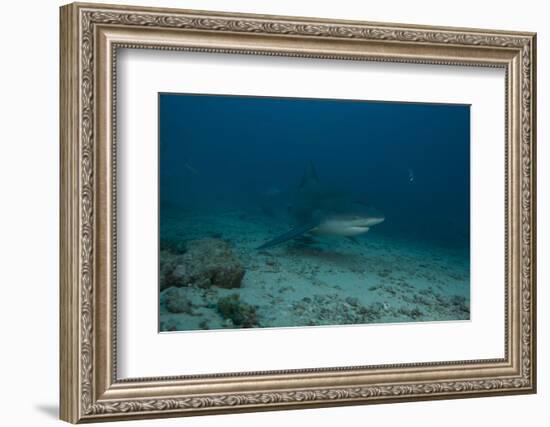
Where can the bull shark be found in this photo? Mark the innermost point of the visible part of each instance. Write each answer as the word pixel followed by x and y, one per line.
pixel 324 212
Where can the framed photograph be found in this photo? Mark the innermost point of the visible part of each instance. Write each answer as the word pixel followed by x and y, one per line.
pixel 266 212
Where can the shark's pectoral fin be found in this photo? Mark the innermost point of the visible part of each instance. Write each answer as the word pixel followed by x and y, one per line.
pixel 292 234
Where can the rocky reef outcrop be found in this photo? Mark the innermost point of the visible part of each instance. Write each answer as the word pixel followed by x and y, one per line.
pixel 204 263
pixel 176 301
pixel 241 314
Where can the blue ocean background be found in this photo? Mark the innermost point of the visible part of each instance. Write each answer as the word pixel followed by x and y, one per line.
pixel 227 150
pixel 227 168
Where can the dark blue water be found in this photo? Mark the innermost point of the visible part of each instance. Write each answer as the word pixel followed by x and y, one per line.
pixel 410 161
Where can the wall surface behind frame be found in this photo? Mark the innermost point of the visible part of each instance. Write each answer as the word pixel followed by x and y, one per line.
pixel 29 170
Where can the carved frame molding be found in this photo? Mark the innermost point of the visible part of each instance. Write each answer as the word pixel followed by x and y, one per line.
pixel 90 36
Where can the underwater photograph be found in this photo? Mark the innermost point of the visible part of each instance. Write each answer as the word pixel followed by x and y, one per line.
pixel 294 212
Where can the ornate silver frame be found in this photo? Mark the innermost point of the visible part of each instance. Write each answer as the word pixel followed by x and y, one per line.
pixel 90 36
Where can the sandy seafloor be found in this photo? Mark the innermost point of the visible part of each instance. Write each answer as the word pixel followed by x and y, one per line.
pixel 331 281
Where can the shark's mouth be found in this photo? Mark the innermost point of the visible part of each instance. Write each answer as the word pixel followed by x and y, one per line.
pixel 365 223
pixel 356 230
pixel 341 228
pixel 354 225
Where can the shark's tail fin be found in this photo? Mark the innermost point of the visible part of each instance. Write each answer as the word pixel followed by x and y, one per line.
pixel 310 176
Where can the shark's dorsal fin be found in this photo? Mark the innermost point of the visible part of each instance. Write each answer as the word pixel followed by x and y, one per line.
pixel 310 176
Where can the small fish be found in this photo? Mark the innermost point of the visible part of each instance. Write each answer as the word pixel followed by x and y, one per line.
pixel 190 169
pixel 411 176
